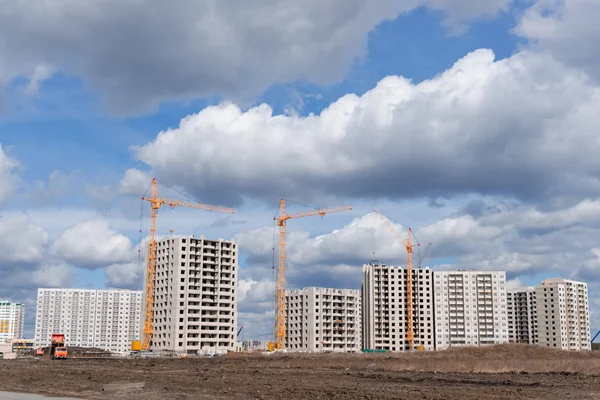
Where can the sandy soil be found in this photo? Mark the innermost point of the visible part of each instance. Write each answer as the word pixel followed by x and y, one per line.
pixel 312 377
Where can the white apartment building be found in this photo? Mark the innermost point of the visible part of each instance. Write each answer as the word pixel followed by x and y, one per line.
pixel 105 319
pixel 563 314
pixel 384 308
pixel 470 308
pixel 323 320
pixel 12 319
pixel 195 296
pixel 522 316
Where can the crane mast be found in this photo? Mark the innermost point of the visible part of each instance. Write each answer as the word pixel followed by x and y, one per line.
pixel 409 291
pixel 281 270
pixel 410 333
pixel 155 204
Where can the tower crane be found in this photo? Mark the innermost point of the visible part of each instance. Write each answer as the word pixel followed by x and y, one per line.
pixel 155 204
pixel 409 286
pixel 280 286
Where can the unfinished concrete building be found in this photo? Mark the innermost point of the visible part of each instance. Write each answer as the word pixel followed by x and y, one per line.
pixel 563 314
pixel 385 323
pixel 323 320
pixel 522 316
pixel 195 296
pixel 470 308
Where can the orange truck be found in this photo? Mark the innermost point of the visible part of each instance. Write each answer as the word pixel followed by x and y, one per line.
pixel 58 350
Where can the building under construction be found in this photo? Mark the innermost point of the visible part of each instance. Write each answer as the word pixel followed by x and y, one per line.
pixel 384 308
pixel 323 320
pixel 195 304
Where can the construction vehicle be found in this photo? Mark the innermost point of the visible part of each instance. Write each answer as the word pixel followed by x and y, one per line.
pixel 280 332
pixel 155 204
pixel 58 350
pixel 39 352
pixel 136 345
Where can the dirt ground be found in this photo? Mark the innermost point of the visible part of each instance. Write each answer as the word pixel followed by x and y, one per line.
pixel 500 373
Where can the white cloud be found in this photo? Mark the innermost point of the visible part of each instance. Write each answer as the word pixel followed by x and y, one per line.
pixel 40 74
pixel 465 131
pixel 123 275
pixel 256 307
pixel 515 283
pixel 92 244
pixel 9 179
pixel 525 241
pixel 57 186
pixel 250 290
pixel 229 47
pixel 59 275
pixel 360 238
pixel 21 241
pixel 566 28
pixel 461 10
pixel 135 182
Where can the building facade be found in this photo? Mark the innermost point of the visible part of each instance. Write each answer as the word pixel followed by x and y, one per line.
pixel 105 319
pixel 470 308
pixel 522 315
pixel 384 308
pixel 12 320
pixel 563 314
pixel 323 320
pixel 195 303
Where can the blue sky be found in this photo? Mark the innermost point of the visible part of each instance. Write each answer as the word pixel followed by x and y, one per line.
pixel 94 121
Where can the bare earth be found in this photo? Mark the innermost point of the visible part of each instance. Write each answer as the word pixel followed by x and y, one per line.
pixel 504 372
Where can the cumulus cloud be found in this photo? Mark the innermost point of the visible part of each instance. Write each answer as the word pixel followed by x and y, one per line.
pixel 9 179
pixel 93 244
pixel 229 47
pixel 566 28
pixel 57 186
pixel 464 131
pixel 518 238
pixel 123 275
pixel 458 11
pixel 510 240
pixel 40 74
pixel 358 239
pixel 58 275
pixel 134 182
pixel 256 306
pixel 21 241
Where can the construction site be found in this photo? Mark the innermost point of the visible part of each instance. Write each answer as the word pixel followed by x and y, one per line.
pixel 408 333
pixel 357 355
pixel 500 372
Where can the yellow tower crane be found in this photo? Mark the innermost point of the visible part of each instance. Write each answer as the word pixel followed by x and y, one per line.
pixel 155 204
pixel 280 286
pixel 409 286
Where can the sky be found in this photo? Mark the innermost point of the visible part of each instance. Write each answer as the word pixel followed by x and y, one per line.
pixel 473 123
